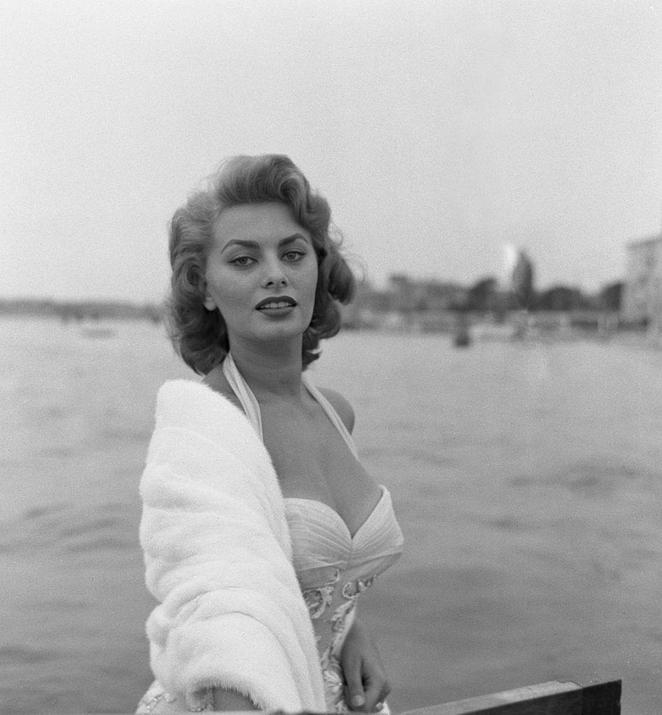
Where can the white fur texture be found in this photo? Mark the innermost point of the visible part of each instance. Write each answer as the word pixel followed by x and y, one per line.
pixel 218 559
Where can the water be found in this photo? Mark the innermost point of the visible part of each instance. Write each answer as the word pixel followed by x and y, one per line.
pixel 526 479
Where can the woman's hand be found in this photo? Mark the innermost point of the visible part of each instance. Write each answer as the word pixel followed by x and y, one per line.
pixel 366 684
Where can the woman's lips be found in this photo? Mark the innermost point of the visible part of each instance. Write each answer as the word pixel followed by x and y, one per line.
pixel 276 304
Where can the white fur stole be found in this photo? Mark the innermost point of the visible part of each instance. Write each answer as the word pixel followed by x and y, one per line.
pixel 218 559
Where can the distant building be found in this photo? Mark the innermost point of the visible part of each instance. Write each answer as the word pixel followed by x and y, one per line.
pixel 642 290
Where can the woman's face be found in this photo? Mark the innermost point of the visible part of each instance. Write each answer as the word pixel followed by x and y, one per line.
pixel 261 273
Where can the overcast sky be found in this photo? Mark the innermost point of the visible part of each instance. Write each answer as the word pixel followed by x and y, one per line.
pixel 439 131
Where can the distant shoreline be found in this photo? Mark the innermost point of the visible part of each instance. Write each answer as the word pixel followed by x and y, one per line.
pixel 541 326
pixel 82 310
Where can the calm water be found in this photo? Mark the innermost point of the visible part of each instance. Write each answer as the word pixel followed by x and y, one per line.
pixel 527 480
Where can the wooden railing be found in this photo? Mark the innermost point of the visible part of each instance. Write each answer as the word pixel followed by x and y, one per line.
pixel 553 698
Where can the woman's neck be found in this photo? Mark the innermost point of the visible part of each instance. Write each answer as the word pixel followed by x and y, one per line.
pixel 271 371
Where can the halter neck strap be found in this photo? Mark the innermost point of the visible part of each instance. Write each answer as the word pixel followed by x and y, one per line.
pixel 251 406
pixel 244 393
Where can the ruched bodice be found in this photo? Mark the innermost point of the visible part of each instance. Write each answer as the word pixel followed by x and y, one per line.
pixel 321 539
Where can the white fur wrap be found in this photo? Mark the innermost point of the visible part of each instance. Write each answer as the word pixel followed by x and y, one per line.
pixel 218 559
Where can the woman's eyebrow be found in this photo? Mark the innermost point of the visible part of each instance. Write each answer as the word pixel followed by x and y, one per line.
pixel 244 243
pixel 292 239
pixel 240 242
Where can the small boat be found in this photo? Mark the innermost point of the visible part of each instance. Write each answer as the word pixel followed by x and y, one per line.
pixel 462 337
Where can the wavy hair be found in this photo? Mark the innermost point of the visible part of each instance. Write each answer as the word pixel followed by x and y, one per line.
pixel 199 335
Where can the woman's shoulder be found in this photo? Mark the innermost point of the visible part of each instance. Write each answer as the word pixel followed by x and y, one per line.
pixel 216 380
pixel 341 405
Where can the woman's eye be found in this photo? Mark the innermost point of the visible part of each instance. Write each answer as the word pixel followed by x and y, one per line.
pixel 242 261
pixel 293 256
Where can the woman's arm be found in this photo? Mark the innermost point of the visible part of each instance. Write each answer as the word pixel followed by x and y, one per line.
pixel 367 685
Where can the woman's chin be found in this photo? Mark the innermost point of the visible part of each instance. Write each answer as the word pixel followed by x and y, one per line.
pixel 272 334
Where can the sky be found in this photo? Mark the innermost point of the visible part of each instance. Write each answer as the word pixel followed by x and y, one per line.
pixel 439 131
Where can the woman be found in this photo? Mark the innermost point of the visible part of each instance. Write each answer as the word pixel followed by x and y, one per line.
pixel 260 527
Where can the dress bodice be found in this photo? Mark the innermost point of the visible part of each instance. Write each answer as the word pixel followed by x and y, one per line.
pixel 334 568
pixel 321 539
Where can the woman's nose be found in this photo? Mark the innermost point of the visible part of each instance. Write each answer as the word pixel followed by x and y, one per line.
pixel 274 276
pixel 271 282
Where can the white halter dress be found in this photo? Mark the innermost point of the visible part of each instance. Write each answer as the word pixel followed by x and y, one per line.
pixel 333 566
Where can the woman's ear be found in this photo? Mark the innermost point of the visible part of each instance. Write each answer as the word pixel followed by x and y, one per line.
pixel 208 300
pixel 209 303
